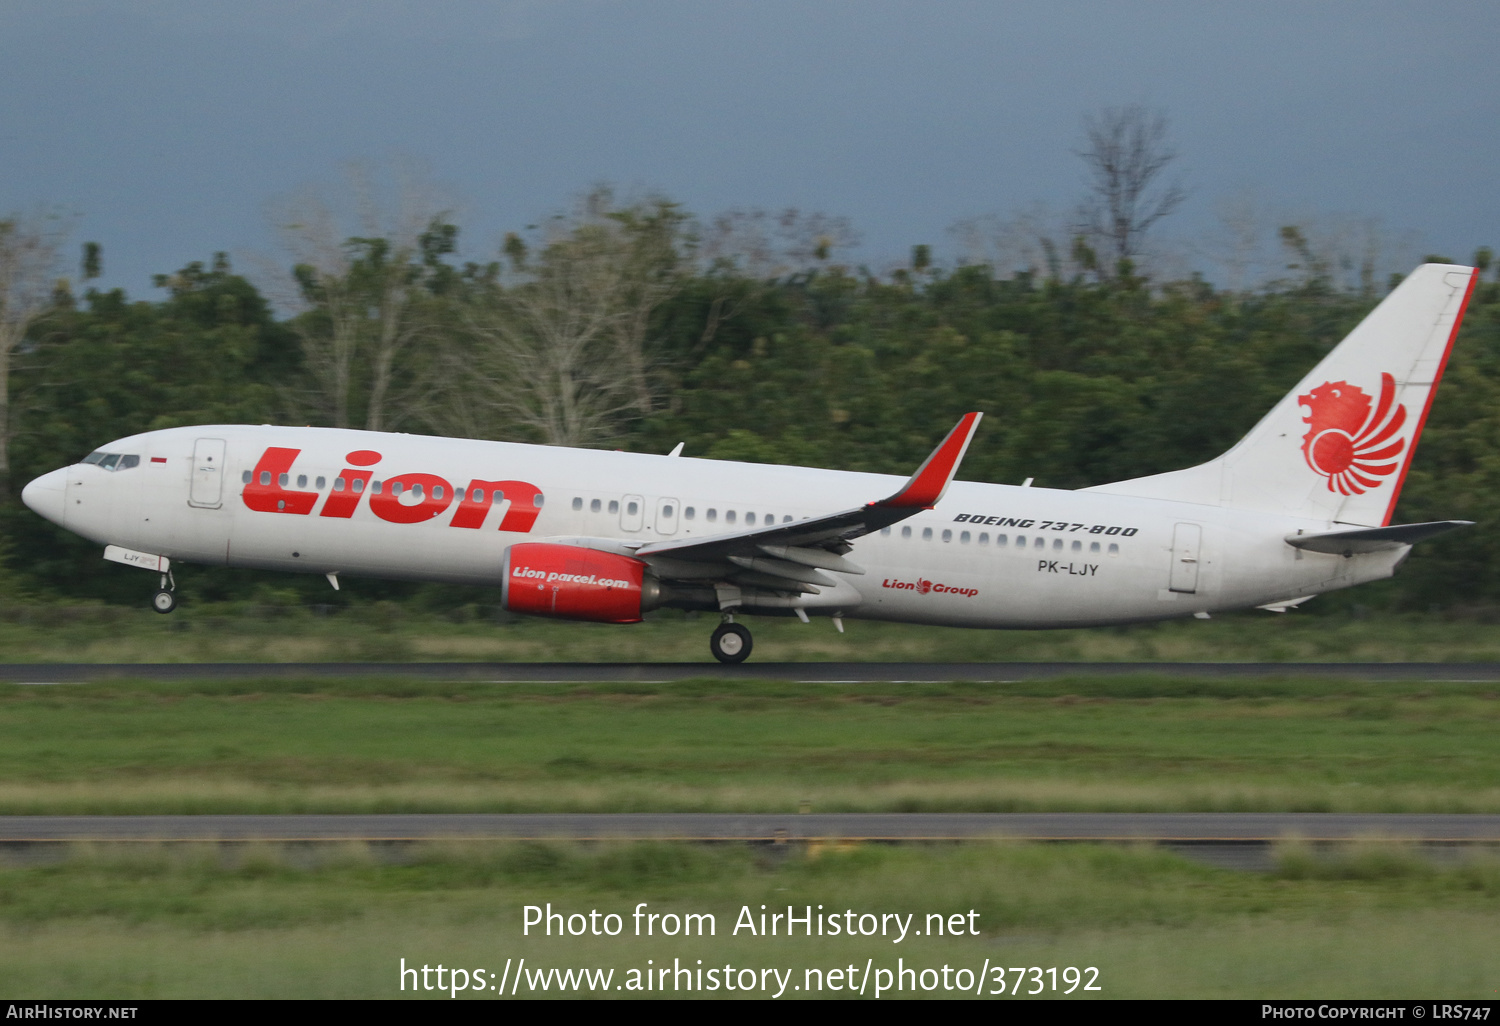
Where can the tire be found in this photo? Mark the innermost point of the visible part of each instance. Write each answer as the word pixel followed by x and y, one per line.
pixel 730 643
pixel 163 601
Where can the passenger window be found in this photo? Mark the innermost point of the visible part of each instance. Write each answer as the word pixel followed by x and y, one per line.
pixel 1093 546
pixel 749 519
pixel 712 514
pixel 927 534
pixel 1114 550
pixel 786 519
pixel 577 503
pixel 594 505
pixel 1001 539
pixel 321 482
pixel 885 532
pixel 964 538
pixel 906 532
pixel 437 491
pixel 689 512
pixel 729 517
pixel 338 484
pixel 984 537
pixel 1057 544
pixel 947 536
pixel 301 480
pixel 284 480
pixel 614 506
pixel 359 485
pixel 395 488
pixel 1040 543
pixel 416 490
pixel 631 508
pixel 1078 546
pixel 1020 541
pixel 265 478
pixel 375 487
pixel 536 500
pixel 245 477
pixel 666 512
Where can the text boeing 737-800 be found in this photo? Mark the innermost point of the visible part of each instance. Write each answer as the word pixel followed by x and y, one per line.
pixel 1302 505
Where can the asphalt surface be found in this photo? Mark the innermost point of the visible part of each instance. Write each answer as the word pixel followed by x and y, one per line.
pixel 1182 828
pixel 567 673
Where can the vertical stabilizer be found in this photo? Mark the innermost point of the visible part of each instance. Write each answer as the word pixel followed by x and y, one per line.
pixel 1337 447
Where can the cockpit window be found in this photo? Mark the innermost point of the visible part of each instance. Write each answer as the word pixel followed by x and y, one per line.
pixel 112 460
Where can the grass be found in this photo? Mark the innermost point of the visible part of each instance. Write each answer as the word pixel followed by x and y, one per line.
pixel 204 920
pixel 1133 743
pixel 251 632
pixel 334 922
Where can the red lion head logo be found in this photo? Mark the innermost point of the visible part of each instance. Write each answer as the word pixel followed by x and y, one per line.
pixel 923 587
pixel 1346 442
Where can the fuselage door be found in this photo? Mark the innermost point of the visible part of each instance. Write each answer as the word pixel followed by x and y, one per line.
pixel 666 516
pixel 632 513
pixel 207 490
pixel 1187 540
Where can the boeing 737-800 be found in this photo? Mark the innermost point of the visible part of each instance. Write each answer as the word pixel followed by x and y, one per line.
pixel 1301 505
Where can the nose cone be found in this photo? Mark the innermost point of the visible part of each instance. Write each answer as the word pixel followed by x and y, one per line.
pixel 47 495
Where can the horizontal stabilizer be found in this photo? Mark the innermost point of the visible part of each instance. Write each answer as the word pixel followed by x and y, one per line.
pixel 1373 539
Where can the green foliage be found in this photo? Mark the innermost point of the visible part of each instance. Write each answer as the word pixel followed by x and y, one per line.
pixel 742 357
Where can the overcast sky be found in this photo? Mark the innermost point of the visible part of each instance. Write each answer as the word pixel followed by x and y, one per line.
pixel 167 127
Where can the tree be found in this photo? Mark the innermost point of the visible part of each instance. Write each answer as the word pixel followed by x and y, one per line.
pixel 564 347
pixel 1126 154
pixel 363 292
pixel 28 259
pixel 646 237
pixel 546 346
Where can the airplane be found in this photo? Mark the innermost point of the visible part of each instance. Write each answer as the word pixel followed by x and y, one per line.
pixel 1300 506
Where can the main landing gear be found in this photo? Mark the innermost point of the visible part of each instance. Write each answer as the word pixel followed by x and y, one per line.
pixel 164 601
pixel 730 642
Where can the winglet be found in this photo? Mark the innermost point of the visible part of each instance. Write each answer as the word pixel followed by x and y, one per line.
pixel 931 480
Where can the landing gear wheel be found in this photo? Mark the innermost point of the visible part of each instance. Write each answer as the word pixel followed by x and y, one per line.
pixel 730 643
pixel 163 601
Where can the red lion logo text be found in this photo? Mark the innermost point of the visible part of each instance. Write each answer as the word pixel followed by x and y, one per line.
pixel 1347 442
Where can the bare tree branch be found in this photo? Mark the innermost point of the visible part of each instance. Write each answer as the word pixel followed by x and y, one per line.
pixel 29 248
pixel 360 287
pixel 546 357
pixel 1126 153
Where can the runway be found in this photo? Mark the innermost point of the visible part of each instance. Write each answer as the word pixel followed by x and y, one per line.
pixel 663 673
pixel 1166 828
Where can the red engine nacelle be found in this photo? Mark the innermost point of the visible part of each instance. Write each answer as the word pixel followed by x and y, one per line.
pixel 575 583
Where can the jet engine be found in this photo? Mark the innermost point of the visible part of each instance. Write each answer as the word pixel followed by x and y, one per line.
pixel 574 583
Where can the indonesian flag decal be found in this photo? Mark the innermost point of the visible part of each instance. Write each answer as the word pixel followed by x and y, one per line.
pixel 1348 443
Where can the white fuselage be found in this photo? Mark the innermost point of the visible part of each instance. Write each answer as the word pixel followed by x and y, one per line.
pixel 986 556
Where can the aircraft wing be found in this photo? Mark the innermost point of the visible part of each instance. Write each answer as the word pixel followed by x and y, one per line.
pixel 790 557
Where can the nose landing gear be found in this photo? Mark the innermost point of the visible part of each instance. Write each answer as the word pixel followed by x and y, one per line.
pixel 730 642
pixel 164 601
